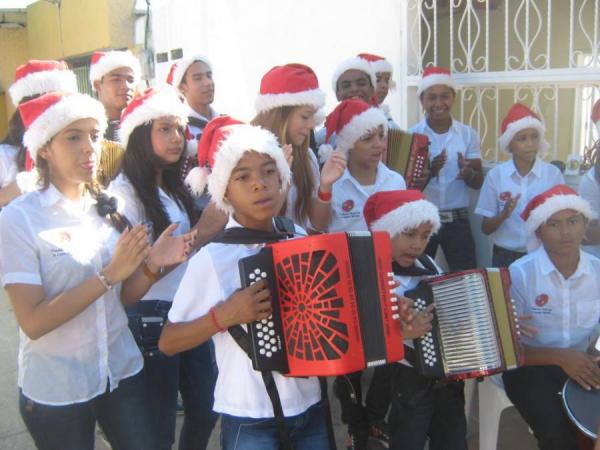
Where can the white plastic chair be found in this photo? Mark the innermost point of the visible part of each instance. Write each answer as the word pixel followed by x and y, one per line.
pixel 492 401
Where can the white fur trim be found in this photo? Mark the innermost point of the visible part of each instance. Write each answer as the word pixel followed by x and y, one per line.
pixel 355 63
pixel 113 60
pixel 324 152
pixel 183 66
pixel 434 79
pixel 28 181
pixel 243 138
pixel 197 179
pixel 191 147
pixel 554 204
pixel 266 102
pixel 68 110
pixel 382 66
pixel 42 82
pixel 520 125
pixel 360 125
pixel 408 216
pixel 161 104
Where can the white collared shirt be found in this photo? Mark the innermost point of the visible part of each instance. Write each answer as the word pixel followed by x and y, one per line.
pixel 130 205
pixel 445 191
pixel 565 311
pixel 8 164
pixel 504 182
pixel 240 390
pixel 589 189
pixel 292 194
pixel 348 198
pixel 48 240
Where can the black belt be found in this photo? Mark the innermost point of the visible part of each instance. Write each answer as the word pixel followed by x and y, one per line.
pixel 501 251
pixel 450 215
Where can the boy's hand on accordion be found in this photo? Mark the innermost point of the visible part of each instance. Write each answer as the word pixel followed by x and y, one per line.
pixel 581 367
pixel 526 329
pixel 420 325
pixel 246 305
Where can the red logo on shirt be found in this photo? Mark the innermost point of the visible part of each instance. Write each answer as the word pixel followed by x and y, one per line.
pixel 348 205
pixel 505 196
pixel 64 237
pixel 541 300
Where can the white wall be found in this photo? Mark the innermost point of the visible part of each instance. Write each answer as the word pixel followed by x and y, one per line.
pixel 245 38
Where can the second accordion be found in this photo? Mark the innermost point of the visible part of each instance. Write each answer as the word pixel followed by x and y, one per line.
pixel 408 154
pixel 334 311
pixel 475 330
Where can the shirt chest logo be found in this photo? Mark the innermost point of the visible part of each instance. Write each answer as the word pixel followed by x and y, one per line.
pixel 541 300
pixel 348 205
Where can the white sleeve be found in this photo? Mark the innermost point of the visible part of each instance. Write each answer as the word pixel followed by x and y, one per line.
pixel 473 150
pixel 518 288
pixel 198 291
pixel 487 205
pixel 588 189
pixel 19 256
pixel 128 204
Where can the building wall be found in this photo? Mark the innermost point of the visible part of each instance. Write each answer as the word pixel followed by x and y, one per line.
pixel 13 52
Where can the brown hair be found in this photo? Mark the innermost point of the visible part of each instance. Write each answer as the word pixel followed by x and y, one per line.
pixel 276 121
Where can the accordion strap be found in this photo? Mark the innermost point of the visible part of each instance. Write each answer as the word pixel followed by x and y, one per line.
pixel 243 340
pixel 284 227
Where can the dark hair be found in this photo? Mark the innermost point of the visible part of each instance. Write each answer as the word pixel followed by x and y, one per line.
pixel 140 165
pixel 14 137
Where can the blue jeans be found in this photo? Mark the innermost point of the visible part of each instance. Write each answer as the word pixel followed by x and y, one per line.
pixel 123 415
pixel 162 371
pixel 457 243
pixel 308 431
pixel 197 378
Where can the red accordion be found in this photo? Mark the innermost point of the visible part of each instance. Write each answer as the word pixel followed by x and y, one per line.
pixel 408 154
pixel 333 309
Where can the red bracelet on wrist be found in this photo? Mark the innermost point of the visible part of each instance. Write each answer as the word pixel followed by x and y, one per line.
pixel 213 318
pixel 324 196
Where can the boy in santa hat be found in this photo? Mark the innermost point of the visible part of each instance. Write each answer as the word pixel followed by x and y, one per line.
pixel 557 287
pixel 383 82
pixel 114 76
pixel 247 175
pixel 455 167
pixel 421 409
pixel 509 186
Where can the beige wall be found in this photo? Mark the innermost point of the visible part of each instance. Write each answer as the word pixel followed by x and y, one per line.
pixel 13 52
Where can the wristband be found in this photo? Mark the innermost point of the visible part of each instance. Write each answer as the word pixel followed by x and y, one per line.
pixel 153 277
pixel 213 318
pixel 107 284
pixel 324 196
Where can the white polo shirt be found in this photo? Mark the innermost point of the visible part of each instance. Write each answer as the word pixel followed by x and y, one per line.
pixel 565 311
pixel 445 191
pixel 8 164
pixel 240 390
pixel 504 182
pixel 51 241
pixel 348 198
pixel 589 189
pixel 130 205
pixel 293 191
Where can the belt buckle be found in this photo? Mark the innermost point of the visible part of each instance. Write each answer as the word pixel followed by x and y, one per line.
pixel 446 216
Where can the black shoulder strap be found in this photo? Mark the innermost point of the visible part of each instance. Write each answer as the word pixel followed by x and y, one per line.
pixel 243 340
pixel 284 229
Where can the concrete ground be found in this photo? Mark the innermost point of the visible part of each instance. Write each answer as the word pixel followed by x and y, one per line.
pixel 513 433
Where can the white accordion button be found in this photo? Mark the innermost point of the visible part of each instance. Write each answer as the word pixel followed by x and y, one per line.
pixel 269 354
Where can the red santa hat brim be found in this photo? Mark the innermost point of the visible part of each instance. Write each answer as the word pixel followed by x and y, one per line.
pixel 360 125
pixel 184 65
pixel 56 117
pixel 355 63
pixel 313 97
pixel 551 206
pixel 519 125
pixel 408 216
pixel 435 79
pixel 114 60
pixel 240 139
pixel 162 104
pixel 38 83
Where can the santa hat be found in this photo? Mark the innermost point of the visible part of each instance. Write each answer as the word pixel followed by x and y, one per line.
pixel 169 79
pixel 104 62
pixel 379 65
pixel 38 77
pixel 182 66
pixel 518 118
pixel 48 114
pixel 399 211
pixel 222 144
pixel 354 63
pixel 596 115
pixel 289 85
pixel 543 206
pixel 146 107
pixel 350 120
pixel 436 75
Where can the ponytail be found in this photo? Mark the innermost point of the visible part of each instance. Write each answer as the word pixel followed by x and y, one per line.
pixel 107 207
